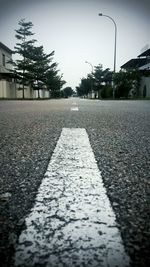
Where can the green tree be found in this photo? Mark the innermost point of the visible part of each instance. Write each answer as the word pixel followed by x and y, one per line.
pixel 98 79
pixel 44 73
pixel 39 67
pixel 79 91
pixel 102 81
pixel 125 82
pixel 84 87
pixel 107 76
pixel 107 91
pixel 34 67
pixel 67 92
pixel 54 83
pixel 23 48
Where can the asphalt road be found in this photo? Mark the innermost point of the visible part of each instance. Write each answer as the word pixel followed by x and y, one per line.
pixel 119 133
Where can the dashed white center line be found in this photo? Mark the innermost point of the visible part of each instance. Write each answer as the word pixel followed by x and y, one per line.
pixel 74 109
pixel 72 222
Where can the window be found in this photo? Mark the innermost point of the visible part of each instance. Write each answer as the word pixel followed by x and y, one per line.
pixel 4 61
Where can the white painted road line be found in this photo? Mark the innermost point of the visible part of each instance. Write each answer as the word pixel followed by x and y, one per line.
pixel 74 108
pixel 72 222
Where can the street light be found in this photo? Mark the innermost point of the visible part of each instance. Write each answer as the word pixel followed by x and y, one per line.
pixel 90 65
pixel 91 77
pixel 100 14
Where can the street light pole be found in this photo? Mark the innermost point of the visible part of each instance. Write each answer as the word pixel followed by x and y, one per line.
pixel 90 65
pixel 115 45
pixel 91 77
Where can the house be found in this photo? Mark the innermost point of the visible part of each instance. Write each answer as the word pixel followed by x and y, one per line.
pixel 141 63
pixel 5 56
pixel 10 83
pixel 145 69
pixel 7 88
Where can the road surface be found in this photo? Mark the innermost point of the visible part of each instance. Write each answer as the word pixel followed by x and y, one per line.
pixel 118 138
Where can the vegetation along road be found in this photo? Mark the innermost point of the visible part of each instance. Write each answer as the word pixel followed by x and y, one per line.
pixel 109 142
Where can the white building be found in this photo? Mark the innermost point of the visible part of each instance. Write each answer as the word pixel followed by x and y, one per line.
pixel 9 82
pixel 141 63
pixel 145 69
pixel 5 56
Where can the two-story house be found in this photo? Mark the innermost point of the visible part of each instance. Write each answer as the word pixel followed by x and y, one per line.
pixel 5 56
pixel 7 78
pixel 10 83
pixel 141 63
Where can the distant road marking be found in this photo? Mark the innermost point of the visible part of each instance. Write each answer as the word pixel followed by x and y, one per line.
pixel 74 109
pixel 72 222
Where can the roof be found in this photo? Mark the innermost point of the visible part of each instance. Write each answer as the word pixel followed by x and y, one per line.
pixel 135 63
pixel 6 48
pixel 145 67
pixel 9 75
pixel 145 54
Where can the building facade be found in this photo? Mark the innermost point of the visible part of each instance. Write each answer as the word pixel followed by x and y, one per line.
pixel 141 63
pixel 5 56
pixel 7 85
pixel 10 83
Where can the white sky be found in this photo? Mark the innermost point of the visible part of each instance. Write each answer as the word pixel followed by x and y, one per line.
pixel 77 34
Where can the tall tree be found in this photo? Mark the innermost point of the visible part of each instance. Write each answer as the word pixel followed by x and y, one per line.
pixel 23 48
pixel 85 87
pixel 98 79
pixel 102 81
pixel 54 81
pixel 39 67
pixel 107 90
pixel 67 92
pixel 34 66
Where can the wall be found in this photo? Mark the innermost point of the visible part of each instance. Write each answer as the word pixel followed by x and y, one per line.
pixel 8 56
pixel 7 89
pixel 28 92
pixel 43 93
pixel 145 81
pixel 10 90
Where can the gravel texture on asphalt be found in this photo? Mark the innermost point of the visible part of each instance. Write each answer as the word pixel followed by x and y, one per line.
pixel 119 133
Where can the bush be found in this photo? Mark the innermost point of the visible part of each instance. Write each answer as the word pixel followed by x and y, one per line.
pixel 56 94
pixel 107 91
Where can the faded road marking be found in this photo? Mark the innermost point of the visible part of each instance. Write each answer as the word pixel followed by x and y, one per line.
pixel 74 108
pixel 72 222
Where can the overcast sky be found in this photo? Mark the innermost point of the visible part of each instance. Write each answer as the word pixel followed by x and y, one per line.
pixel 77 34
